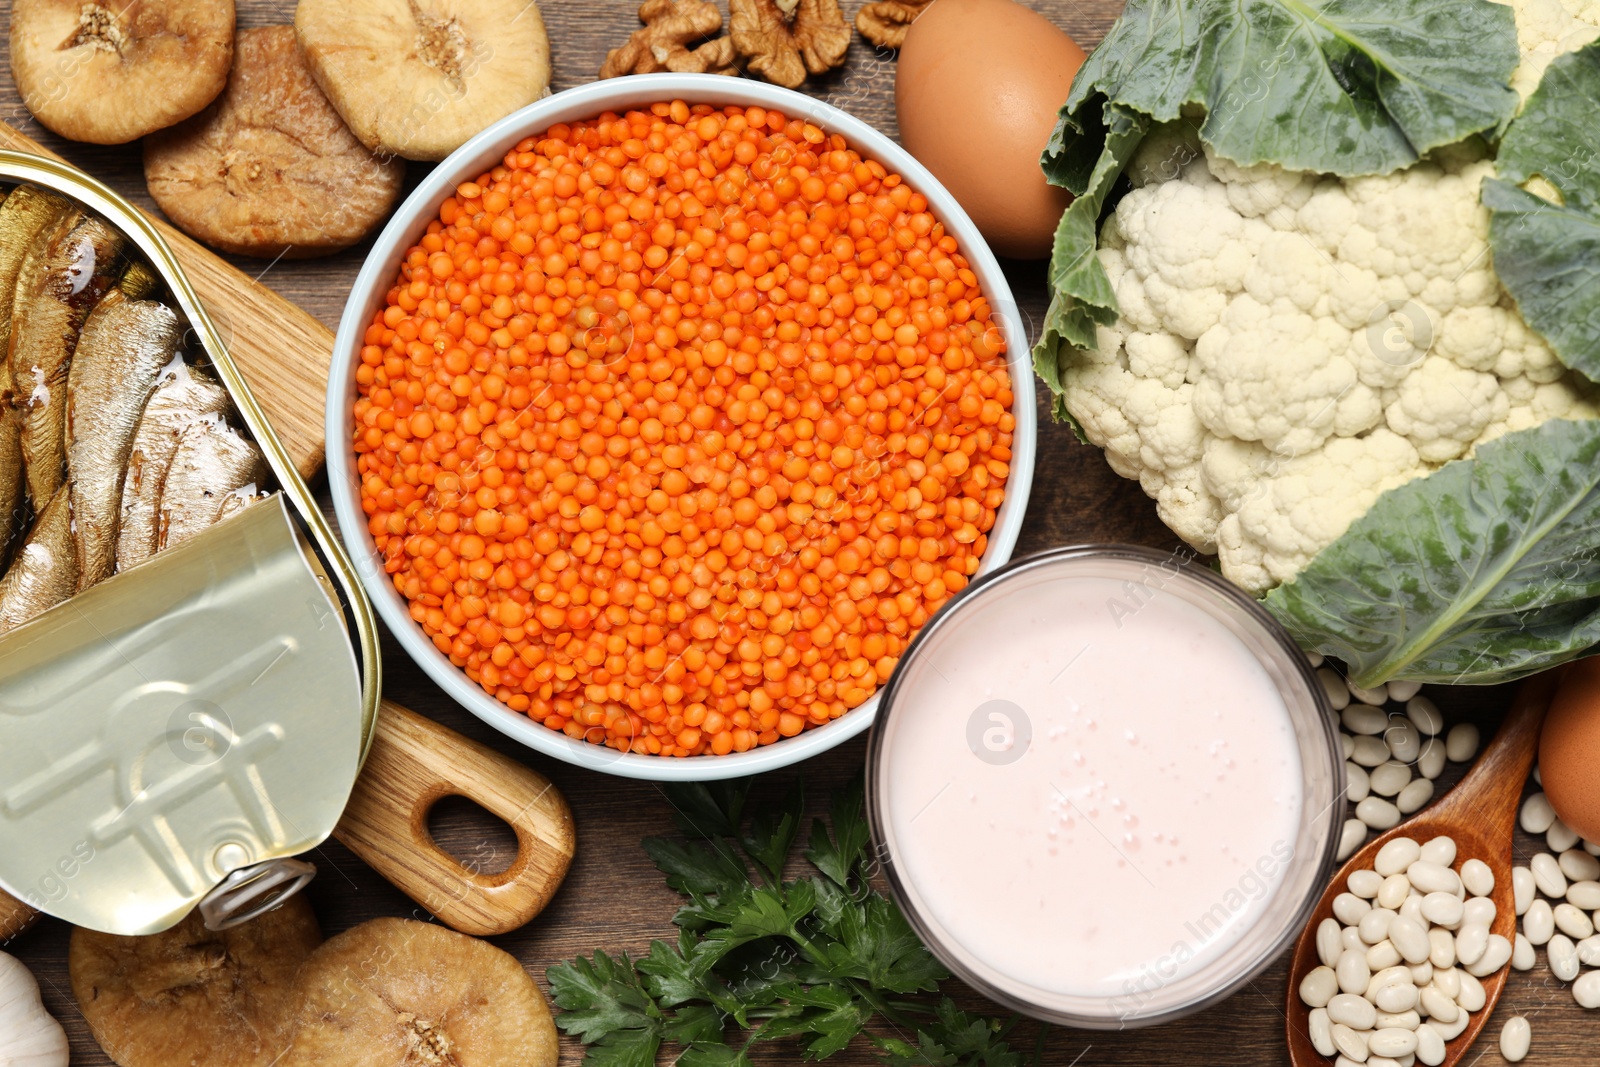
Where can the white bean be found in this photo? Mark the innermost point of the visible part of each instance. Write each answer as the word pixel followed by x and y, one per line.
pixel 1376 695
pixel 1364 719
pixel 1421 974
pixel 1579 866
pixel 1396 996
pixel 1448 982
pixel 1451 1031
pixel 1472 997
pixel 1523 954
pixel 1333 685
pixel 1523 888
pixel 1387 779
pixel 1411 939
pixel 1584 895
pixel 1355 1012
pixel 1571 921
pixel 1319 986
pixel 1438 1006
pixel 1365 883
pixel 1393 1042
pixel 1432 878
pixel 1351 1045
pixel 1414 797
pixel 1539 922
pixel 1314 658
pixel 1431 763
pixel 1352 972
pixel 1515 1037
pixel 1477 876
pixel 1378 813
pixel 1369 751
pixel 1411 908
pixel 1547 875
pixel 1328 947
pixel 1480 910
pixel 1461 743
pixel 1382 955
pixel 1350 909
pixel 1592 847
pixel 1347 744
pixel 1495 956
pixel 1402 690
pixel 1442 909
pixel 1350 937
pixel 1563 957
pixel 1395 856
pixel 1357 783
pixel 1374 925
pixel 1589 951
pixel 1395 889
pixel 1321 1032
pixel 1536 816
pixel 1425 713
pixel 1403 739
pixel 1586 990
pixel 1471 942
pixel 1441 948
pixel 1405 1020
pixel 1440 850
pixel 1560 837
pixel 1351 835
pixel 1430 1046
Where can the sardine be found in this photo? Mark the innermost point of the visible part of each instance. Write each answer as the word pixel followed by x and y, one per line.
pixel 45 571
pixel 138 282
pixel 124 345
pixel 24 217
pixel 183 397
pixel 79 268
pixel 214 465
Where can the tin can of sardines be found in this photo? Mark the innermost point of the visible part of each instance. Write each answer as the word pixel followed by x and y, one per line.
pixel 189 672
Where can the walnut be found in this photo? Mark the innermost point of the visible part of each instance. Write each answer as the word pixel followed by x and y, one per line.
pixel 670 26
pixel 783 39
pixel 886 22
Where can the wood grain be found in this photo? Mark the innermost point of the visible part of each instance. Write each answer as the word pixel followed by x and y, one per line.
pixel 613 898
pixel 282 349
pixel 413 765
pixel 1480 815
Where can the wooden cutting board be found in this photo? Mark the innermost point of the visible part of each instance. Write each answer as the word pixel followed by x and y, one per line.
pixel 283 351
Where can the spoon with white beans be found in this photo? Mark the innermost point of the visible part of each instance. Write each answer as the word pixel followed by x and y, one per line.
pixel 1408 949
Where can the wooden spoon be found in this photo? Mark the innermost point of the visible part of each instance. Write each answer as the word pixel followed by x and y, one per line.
pixel 1480 813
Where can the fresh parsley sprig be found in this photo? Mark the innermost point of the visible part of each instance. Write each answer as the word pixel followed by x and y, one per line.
pixel 823 959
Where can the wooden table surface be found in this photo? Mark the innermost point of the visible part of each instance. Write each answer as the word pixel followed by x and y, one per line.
pixel 614 899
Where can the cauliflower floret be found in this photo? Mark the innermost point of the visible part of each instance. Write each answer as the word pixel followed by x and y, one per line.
pixel 1283 510
pixel 1291 346
pixel 1547 29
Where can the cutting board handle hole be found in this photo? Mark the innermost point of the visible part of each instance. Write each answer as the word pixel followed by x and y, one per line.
pixel 474 837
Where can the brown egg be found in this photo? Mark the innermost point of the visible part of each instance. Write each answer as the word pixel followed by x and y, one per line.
pixel 977 92
pixel 1569 749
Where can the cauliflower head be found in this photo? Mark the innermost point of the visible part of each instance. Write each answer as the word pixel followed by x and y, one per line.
pixel 1291 345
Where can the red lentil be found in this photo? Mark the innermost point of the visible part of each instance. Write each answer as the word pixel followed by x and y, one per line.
pixel 678 424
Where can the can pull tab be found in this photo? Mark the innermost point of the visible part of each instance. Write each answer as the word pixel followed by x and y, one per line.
pixel 253 891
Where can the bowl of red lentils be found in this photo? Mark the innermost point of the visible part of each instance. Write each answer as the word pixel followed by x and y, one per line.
pixel 666 411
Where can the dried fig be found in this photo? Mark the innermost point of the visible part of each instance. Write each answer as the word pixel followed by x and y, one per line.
pixel 395 991
pixel 270 168
pixel 190 997
pixel 111 73
pixel 419 77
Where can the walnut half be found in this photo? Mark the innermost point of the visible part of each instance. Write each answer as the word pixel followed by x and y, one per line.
pixel 886 22
pixel 782 40
pixel 670 26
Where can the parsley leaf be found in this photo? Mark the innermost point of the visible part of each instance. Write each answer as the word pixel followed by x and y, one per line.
pixel 822 960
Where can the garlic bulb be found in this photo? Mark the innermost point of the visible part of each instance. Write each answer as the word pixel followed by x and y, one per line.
pixel 29 1037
